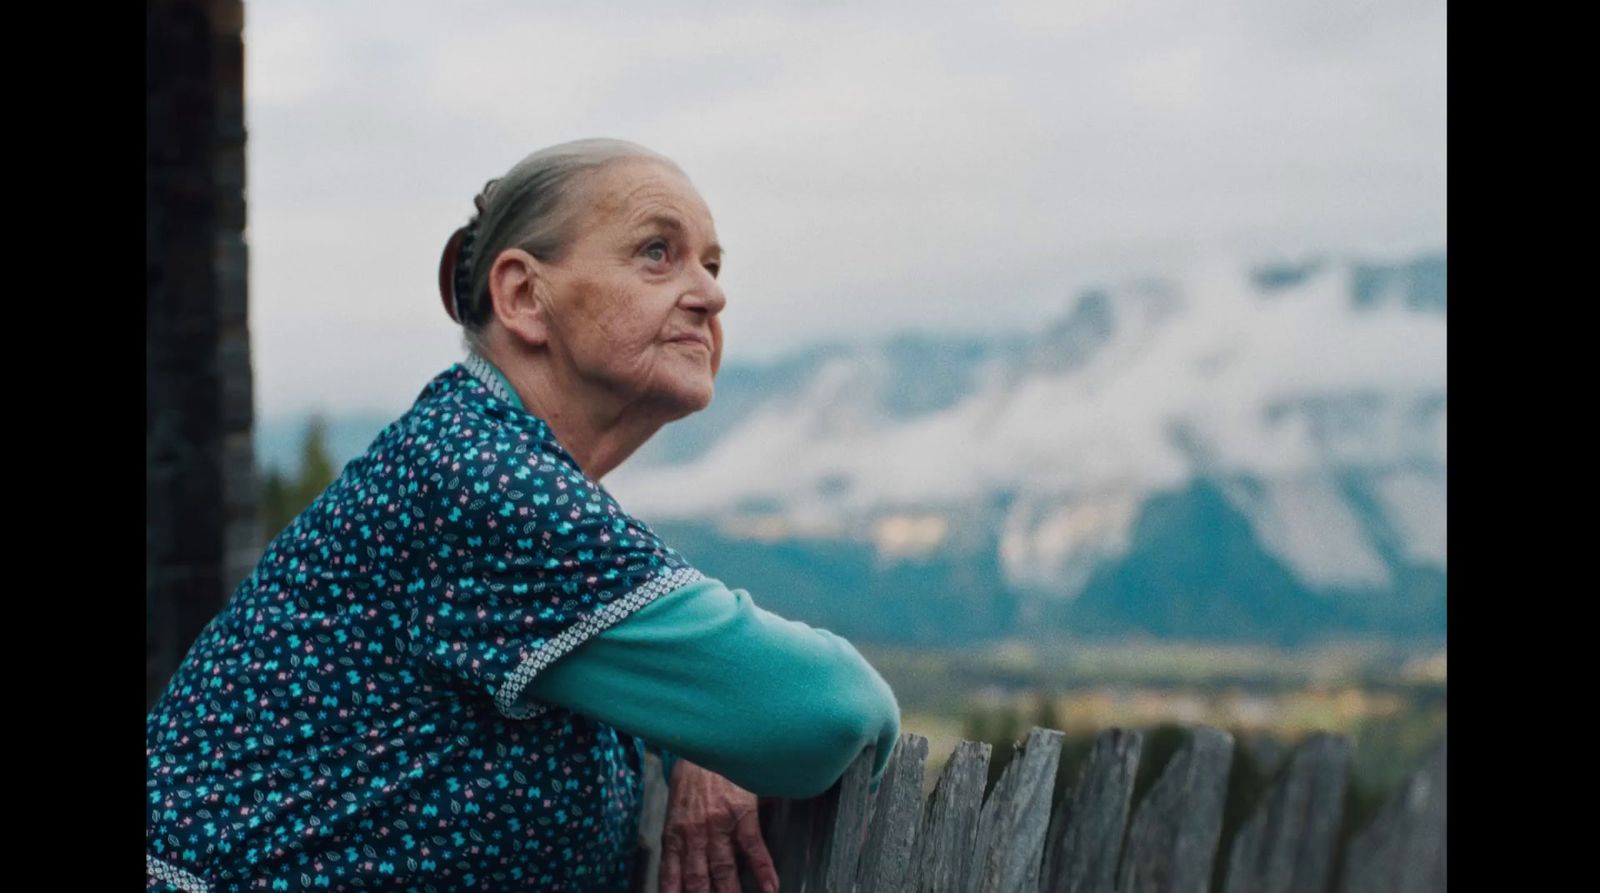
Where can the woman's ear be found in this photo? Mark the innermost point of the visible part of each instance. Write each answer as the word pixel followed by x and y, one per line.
pixel 514 284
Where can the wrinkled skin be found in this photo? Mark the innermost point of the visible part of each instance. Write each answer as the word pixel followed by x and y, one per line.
pixel 621 333
pixel 636 283
pixel 708 819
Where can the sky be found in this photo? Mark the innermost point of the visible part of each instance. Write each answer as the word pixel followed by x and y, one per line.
pixel 871 166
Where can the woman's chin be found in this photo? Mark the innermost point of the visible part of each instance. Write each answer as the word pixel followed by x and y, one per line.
pixel 702 398
pixel 689 398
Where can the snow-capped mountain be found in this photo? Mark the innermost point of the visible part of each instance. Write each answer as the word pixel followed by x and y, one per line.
pixel 1254 451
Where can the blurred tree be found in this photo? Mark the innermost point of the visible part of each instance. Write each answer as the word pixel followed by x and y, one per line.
pixel 1161 742
pixel 1047 717
pixel 276 504
pixel 1387 749
pixel 316 466
pixel 1075 748
pixel 1002 726
pixel 283 497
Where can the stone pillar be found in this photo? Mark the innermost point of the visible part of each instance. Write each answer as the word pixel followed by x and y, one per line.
pixel 201 536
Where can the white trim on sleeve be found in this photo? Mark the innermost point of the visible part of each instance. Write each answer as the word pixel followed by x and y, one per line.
pixel 172 874
pixel 580 632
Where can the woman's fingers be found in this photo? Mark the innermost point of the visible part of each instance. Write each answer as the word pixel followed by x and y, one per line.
pixel 696 876
pixel 710 820
pixel 671 864
pixel 722 864
pixel 747 831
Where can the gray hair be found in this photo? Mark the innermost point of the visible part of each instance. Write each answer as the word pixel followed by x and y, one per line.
pixel 529 208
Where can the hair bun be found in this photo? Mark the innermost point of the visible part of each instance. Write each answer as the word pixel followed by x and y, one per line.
pixel 481 200
pixel 448 262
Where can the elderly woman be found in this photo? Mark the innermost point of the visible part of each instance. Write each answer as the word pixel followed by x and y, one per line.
pixel 443 675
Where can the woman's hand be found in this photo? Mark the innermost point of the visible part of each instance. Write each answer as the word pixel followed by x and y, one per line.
pixel 707 816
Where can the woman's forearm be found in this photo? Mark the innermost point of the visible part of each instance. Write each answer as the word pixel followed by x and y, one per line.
pixel 776 706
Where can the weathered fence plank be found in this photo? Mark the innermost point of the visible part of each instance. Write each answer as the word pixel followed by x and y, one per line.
pixel 1173 839
pixel 851 841
pixel 983 836
pixel 789 841
pixel 1085 835
pixel 1012 833
pixel 944 842
pixel 1287 845
pixel 1403 850
pixel 834 870
pixel 885 865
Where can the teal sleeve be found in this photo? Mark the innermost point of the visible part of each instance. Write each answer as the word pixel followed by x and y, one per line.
pixel 777 707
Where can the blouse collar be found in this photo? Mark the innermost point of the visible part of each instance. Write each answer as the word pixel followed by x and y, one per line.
pixel 498 386
pixel 493 379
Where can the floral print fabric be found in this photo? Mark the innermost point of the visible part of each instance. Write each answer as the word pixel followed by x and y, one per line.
pixel 354 717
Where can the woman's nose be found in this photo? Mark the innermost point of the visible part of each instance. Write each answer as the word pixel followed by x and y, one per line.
pixel 706 295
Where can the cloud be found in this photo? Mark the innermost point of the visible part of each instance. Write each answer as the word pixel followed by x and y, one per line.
pixel 871 166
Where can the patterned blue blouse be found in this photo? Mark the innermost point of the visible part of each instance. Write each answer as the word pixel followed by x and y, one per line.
pixel 356 718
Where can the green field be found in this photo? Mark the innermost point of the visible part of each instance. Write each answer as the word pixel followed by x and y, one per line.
pixel 1390 701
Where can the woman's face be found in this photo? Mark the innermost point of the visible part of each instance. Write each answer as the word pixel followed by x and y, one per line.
pixel 632 305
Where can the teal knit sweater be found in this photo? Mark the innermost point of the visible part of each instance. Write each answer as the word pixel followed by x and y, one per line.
pixel 777 707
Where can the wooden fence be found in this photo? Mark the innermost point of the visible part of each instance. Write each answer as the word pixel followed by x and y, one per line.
pixel 959 841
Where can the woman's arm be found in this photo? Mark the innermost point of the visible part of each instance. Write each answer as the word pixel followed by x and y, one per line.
pixel 778 707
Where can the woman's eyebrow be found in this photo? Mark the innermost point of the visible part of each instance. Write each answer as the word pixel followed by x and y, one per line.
pixel 660 221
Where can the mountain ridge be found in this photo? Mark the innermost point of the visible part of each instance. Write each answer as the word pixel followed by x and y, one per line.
pixel 1241 452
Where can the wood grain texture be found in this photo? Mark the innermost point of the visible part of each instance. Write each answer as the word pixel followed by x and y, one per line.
pixel 1021 815
pixel 958 841
pixel 1403 850
pixel 1288 844
pixel 834 870
pixel 1086 831
pixel 944 842
pixel 1172 841
pixel 885 864
pixel 788 840
pixel 983 838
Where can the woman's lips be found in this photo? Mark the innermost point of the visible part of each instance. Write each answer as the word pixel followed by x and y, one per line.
pixel 701 340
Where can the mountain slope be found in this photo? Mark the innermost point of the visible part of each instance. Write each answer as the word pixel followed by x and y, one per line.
pixel 1243 453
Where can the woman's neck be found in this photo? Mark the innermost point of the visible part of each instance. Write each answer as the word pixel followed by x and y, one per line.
pixel 598 430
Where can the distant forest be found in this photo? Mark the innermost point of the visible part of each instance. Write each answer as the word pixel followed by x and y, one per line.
pixel 285 493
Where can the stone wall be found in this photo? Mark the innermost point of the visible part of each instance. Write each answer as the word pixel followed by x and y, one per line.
pixel 201 535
